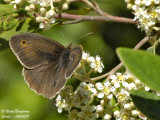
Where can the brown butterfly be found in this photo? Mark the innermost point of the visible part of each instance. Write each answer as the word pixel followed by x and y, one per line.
pixel 47 64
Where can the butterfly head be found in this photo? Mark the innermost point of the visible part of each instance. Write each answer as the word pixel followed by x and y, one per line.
pixel 70 46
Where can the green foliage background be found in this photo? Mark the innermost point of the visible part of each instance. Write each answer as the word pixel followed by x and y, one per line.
pixel 106 37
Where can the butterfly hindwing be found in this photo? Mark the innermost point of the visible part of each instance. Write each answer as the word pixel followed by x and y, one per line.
pixel 44 79
pixel 74 59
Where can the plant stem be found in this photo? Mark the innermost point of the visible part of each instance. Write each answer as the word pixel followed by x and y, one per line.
pixel 79 18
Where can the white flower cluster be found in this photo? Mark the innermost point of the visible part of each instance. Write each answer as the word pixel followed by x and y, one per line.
pixel 94 62
pixel 147 12
pixel 108 100
pixel 44 9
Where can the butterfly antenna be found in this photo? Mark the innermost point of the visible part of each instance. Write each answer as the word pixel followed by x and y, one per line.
pixel 83 36
pixel 62 34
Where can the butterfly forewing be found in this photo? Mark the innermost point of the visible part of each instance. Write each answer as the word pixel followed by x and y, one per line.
pixel 33 50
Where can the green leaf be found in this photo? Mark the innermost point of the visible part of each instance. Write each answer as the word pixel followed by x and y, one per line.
pixel 143 65
pixel 1 21
pixel 147 103
pixel 27 25
pixel 6 9
pixel 8 16
pixel 9 22
pixel 112 104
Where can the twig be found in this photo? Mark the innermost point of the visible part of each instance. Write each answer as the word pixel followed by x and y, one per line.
pixel 142 42
pixel 72 21
pixel 79 18
pixel 103 16
pixel 94 6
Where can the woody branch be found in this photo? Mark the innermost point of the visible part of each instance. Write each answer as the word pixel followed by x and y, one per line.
pixel 102 16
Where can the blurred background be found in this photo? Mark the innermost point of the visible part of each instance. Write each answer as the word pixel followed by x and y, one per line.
pixel 105 38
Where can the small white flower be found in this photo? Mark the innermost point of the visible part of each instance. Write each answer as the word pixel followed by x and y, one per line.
pixel 110 96
pixel 156 1
pixel 43 10
pixel 41 25
pixel 116 113
pixel 91 60
pixel 65 6
pixel 148 3
pixel 94 91
pixel 113 77
pixel 100 95
pixel 125 84
pixel 60 110
pixel 112 89
pixel 85 55
pixel 128 106
pixel 100 69
pixel 27 8
pixel 147 88
pixel 116 85
pixel 127 1
pixel 43 4
pixel 39 19
pixel 125 92
pixel 52 20
pixel 118 74
pixel 99 108
pixel 96 64
pixel 102 102
pixel 18 1
pixel 50 13
pixel 7 1
pixel 134 7
pixel 107 83
pixel 98 58
pixel 82 84
pixel 32 6
pixel 131 86
pixel 107 117
pixel 137 81
pixel 15 7
pixel 137 2
pixel 91 85
pixel 126 76
pixel 93 65
pixel 129 6
pixel 143 117
pixel 99 86
pixel 157 93
pixel 135 113
pixel 58 98
pixel 121 97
